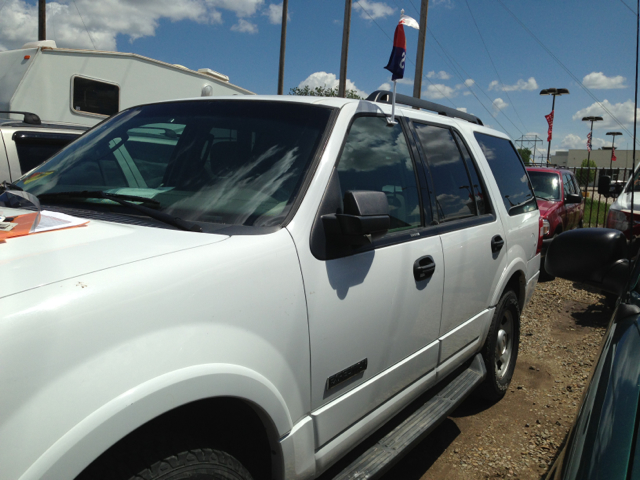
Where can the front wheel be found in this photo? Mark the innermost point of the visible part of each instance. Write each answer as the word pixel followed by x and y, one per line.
pixel 500 350
pixel 195 464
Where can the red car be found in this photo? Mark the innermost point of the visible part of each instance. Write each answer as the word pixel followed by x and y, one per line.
pixel 559 200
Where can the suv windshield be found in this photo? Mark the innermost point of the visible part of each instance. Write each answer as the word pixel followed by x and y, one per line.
pixel 546 185
pixel 217 161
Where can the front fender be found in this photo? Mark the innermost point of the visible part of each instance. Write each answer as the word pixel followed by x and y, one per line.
pixel 97 432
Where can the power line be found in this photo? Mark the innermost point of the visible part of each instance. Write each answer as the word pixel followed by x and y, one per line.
pixel 630 9
pixel 565 68
pixel 85 26
pixel 494 66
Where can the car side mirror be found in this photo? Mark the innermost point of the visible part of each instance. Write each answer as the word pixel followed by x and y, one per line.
pixel 574 198
pixel 365 213
pixel 604 183
pixel 595 256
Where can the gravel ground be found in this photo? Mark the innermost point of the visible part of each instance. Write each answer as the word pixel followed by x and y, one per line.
pixel 519 436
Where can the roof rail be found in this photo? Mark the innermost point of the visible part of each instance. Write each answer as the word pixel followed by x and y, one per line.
pixel 30 118
pixel 384 96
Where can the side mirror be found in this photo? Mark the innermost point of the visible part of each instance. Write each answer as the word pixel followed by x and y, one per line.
pixel 574 198
pixel 595 256
pixel 365 213
pixel 604 183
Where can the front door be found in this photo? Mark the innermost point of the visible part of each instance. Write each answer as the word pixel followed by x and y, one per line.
pixel 373 326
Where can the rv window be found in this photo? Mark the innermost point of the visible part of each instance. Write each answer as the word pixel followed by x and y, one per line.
pixel 91 96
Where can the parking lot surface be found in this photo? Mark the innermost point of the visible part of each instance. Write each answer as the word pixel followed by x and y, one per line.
pixel 519 436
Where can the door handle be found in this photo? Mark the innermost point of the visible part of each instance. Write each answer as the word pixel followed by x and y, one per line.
pixel 496 244
pixel 423 268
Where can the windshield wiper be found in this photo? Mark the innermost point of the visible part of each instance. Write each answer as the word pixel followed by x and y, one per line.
pixel 126 201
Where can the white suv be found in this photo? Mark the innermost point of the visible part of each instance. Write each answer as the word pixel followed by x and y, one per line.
pixel 262 284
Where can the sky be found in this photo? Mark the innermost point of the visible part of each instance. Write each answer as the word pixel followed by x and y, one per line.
pixel 490 58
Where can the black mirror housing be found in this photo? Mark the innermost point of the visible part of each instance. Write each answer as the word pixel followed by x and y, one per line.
pixel 596 256
pixel 604 183
pixel 365 213
pixel 574 198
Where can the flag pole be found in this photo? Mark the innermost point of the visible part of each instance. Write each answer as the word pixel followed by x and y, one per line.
pixel 393 105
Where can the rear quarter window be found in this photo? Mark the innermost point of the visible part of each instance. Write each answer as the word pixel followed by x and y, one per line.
pixel 509 172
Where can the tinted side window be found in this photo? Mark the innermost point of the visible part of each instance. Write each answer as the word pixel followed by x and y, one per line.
pixel 93 96
pixel 452 185
pixel 509 172
pixel 35 147
pixel 568 185
pixel 376 157
pixel 478 188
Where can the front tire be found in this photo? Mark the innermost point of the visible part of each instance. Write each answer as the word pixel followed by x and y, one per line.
pixel 195 464
pixel 500 350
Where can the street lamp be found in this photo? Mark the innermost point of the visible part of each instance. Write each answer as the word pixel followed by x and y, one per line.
pixel 554 92
pixel 590 119
pixel 613 141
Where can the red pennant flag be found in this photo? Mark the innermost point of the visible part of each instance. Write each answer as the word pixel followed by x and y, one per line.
pixel 613 154
pixel 550 122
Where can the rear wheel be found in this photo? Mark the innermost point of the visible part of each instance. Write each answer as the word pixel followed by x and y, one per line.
pixel 500 350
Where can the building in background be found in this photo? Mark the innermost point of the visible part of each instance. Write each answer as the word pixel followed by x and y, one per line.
pixel 602 158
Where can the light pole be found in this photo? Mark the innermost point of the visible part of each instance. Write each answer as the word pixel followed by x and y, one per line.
pixel 590 119
pixel 613 142
pixel 554 92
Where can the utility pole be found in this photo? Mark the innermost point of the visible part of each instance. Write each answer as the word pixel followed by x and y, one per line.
pixel 42 19
pixel 283 43
pixel 342 84
pixel 422 34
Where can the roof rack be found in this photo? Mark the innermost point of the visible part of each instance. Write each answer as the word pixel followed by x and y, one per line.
pixel 30 118
pixel 384 96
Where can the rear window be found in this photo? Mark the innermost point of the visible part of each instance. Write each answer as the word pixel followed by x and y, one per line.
pixel 509 172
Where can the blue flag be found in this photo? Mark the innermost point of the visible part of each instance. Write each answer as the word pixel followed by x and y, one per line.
pixel 398 54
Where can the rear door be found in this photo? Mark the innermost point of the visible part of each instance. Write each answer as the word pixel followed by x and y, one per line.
pixel 473 240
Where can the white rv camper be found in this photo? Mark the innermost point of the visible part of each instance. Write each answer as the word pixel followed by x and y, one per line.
pixel 70 90
pixel 85 86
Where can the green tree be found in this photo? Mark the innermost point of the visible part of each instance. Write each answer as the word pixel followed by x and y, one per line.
pixel 586 175
pixel 525 153
pixel 322 92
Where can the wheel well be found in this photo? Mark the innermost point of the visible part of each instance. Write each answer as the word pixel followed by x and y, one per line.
pixel 517 283
pixel 227 424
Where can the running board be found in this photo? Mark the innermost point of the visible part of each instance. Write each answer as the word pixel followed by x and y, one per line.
pixel 384 454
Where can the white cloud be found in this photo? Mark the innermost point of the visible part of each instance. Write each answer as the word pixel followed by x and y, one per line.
pixel 274 12
pixel 244 26
pixel 469 82
pixel 107 19
pixel 598 80
pixel 530 84
pixel 622 111
pixel 384 86
pixel 498 105
pixel 405 81
pixel 324 79
pixel 371 10
pixel 438 91
pixel 441 75
pixel 573 141
pixel 444 3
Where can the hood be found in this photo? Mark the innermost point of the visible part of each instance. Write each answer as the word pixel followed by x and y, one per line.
pixel 547 207
pixel 39 259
